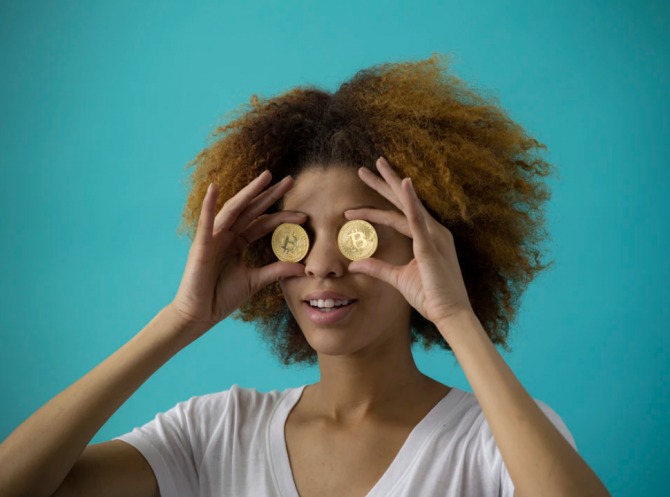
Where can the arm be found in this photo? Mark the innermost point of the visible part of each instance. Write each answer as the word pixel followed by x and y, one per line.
pixel 539 459
pixel 38 455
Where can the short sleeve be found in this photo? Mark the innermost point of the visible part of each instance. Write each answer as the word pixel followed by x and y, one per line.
pixel 497 466
pixel 173 443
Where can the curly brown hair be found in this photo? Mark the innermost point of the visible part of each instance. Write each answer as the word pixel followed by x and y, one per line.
pixel 476 171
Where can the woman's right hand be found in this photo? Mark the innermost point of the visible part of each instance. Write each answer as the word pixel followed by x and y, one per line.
pixel 216 280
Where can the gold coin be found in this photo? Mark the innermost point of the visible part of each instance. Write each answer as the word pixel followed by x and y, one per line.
pixel 290 242
pixel 357 239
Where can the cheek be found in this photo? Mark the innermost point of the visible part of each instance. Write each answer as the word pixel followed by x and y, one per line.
pixel 386 309
pixel 288 291
pixel 383 299
pixel 292 290
pixel 395 251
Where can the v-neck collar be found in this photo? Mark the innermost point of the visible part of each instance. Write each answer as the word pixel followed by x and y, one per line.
pixel 418 437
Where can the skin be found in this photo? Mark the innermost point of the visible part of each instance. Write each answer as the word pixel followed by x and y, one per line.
pixel 370 389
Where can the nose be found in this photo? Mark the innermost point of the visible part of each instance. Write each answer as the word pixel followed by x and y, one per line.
pixel 324 259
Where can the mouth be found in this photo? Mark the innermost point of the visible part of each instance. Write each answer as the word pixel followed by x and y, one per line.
pixel 336 311
pixel 329 305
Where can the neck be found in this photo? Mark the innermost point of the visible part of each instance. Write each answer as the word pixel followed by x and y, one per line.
pixel 355 386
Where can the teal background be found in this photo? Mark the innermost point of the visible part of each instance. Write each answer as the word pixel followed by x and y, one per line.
pixel 103 104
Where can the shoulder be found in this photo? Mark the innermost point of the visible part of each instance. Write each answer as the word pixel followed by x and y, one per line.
pixel 466 424
pixel 237 398
pixel 468 414
pixel 488 448
pixel 252 399
pixel 486 435
pixel 237 406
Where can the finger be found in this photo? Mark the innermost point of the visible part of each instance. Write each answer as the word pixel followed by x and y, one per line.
pixel 392 179
pixel 263 276
pixel 393 219
pixel 236 204
pixel 267 223
pixel 381 270
pixel 379 185
pixel 396 183
pixel 261 203
pixel 203 234
pixel 416 218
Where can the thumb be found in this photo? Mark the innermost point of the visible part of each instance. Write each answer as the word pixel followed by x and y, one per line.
pixel 384 271
pixel 263 276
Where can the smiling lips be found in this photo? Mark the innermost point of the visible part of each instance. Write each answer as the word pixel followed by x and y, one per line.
pixel 330 316
pixel 336 306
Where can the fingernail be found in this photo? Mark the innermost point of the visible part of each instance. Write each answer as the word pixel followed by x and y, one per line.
pixel 286 178
pixel 301 214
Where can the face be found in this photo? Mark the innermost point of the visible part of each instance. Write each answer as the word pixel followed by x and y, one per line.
pixel 380 313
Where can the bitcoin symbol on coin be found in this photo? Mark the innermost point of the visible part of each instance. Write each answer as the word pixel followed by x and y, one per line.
pixel 290 242
pixel 286 247
pixel 357 239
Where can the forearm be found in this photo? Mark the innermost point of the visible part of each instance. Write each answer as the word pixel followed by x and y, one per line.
pixel 539 459
pixel 37 456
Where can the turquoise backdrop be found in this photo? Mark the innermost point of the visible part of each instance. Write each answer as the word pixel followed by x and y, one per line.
pixel 103 104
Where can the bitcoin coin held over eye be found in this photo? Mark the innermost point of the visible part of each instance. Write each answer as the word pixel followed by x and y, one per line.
pixel 290 242
pixel 357 239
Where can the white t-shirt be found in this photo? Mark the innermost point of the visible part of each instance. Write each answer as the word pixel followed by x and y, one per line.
pixel 231 444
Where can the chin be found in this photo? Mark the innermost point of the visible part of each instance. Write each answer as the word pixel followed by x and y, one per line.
pixel 335 340
pixel 334 348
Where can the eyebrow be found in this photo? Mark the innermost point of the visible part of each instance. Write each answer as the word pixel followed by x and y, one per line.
pixel 308 221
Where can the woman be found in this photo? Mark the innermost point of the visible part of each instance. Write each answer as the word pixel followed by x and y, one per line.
pixel 374 425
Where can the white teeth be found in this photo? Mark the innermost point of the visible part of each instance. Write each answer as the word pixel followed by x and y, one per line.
pixel 328 303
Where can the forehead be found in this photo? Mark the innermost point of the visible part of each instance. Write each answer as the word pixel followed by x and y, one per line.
pixel 331 189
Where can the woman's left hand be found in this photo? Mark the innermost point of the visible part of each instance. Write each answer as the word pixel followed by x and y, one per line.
pixel 431 282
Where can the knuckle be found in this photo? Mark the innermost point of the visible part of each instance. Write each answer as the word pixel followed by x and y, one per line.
pixel 231 204
pixel 244 218
pixel 262 219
